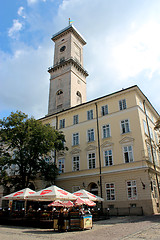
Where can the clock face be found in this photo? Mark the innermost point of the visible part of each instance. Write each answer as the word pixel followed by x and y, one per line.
pixel 62 49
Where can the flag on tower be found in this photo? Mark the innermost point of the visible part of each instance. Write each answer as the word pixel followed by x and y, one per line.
pixel 70 21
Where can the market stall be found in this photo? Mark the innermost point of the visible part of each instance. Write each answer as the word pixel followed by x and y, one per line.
pixel 41 212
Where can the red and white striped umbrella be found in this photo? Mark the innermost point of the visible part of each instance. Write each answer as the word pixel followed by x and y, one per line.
pixel 19 195
pixel 87 195
pixel 56 203
pixel 81 201
pixel 68 204
pixel 52 193
pixel 89 202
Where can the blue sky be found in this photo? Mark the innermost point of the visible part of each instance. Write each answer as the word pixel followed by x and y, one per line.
pixel 123 48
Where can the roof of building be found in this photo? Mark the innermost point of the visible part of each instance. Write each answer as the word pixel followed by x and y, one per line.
pixel 69 28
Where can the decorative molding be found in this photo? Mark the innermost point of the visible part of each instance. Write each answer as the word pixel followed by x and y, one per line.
pixel 90 148
pixel 107 144
pixel 60 154
pixel 126 140
pixel 75 151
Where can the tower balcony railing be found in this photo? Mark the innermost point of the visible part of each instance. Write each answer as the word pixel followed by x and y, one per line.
pixel 68 60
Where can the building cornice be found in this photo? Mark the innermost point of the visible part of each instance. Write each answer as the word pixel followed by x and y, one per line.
pixel 70 61
pixel 65 31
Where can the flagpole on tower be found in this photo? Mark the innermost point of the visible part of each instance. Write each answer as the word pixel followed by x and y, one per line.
pixel 70 21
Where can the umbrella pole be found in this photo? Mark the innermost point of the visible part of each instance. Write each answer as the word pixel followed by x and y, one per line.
pixel 25 207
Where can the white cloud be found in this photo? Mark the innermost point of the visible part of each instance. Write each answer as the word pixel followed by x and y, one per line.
pixel 27 83
pixel 17 26
pixel 20 12
pixel 138 52
pixel 30 2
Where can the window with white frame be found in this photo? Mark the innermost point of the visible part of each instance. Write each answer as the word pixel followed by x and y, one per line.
pixel 110 191
pixel 62 123
pixel 151 132
pixel 155 156
pixel 125 126
pixel 131 190
pixel 104 110
pixel 61 165
pixel 75 139
pixel 147 113
pixel 141 105
pixel 75 119
pixel 149 152
pixel 90 135
pixel 91 160
pixel 106 131
pixel 89 114
pixel 108 158
pixel 128 154
pixel 156 137
pixel 122 104
pixel 75 163
pixel 145 127
pixel 154 189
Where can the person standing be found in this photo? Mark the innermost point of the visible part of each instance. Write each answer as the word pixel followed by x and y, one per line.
pixel 60 220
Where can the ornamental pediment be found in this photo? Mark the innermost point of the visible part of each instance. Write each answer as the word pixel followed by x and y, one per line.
pixel 107 144
pixel 61 154
pixel 75 151
pixel 126 140
pixel 90 148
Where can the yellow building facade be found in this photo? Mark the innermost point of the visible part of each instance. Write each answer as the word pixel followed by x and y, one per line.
pixel 112 145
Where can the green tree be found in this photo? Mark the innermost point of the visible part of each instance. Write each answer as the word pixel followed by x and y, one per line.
pixel 25 144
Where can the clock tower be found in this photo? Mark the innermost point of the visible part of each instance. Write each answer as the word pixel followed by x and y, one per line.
pixel 67 75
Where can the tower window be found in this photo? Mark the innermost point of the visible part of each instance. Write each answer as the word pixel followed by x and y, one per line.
pixel 59 92
pixel 62 49
pixel 59 98
pixel 79 97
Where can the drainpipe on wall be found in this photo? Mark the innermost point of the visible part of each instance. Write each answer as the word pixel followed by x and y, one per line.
pixel 150 140
pixel 99 155
pixel 55 153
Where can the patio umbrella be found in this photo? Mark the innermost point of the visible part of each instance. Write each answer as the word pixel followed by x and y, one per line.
pixel 19 195
pixel 68 204
pixel 81 201
pixel 87 195
pixel 89 202
pixel 56 203
pixel 52 193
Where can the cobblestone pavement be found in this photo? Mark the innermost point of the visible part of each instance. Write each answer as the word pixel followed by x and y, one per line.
pixel 117 228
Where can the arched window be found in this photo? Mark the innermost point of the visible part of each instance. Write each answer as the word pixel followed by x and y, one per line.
pixel 59 98
pixel 93 188
pixel 59 92
pixel 79 97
